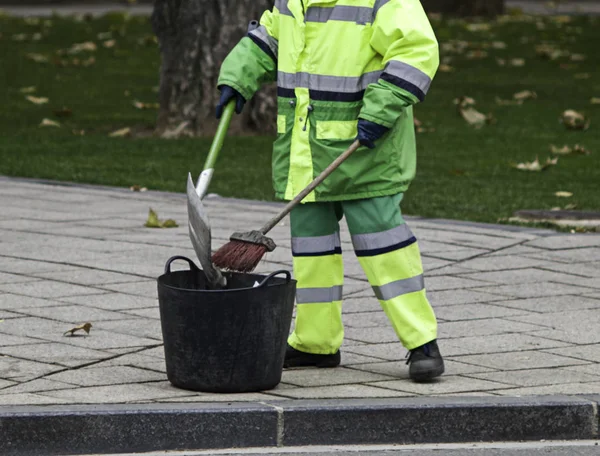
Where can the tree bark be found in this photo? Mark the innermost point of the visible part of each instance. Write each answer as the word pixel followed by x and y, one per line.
pixel 195 36
pixel 489 8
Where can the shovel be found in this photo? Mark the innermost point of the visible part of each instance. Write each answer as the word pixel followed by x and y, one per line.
pixel 198 223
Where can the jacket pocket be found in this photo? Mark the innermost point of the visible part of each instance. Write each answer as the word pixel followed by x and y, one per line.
pixel 337 129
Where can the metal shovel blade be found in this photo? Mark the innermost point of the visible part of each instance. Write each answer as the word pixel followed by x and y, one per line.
pixel 199 229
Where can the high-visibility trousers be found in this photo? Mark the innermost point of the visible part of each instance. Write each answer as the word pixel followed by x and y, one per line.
pixel 388 253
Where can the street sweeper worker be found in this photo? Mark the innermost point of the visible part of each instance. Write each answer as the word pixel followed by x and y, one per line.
pixel 345 70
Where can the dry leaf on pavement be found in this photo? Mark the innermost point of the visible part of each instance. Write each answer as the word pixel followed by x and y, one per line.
pixel 49 123
pixel 154 222
pixel 563 194
pixel 574 120
pixel 567 150
pixel 37 100
pixel 84 327
pixel 120 133
pixel 137 188
pixel 535 165
pixel 525 95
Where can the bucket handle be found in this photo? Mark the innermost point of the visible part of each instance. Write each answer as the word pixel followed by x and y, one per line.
pixel 288 277
pixel 193 266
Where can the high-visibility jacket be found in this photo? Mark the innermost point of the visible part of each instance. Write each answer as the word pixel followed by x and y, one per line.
pixel 336 61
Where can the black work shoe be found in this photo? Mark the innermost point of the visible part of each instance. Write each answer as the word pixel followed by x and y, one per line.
pixel 426 362
pixel 296 358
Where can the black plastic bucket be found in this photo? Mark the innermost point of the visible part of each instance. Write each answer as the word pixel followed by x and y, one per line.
pixel 225 341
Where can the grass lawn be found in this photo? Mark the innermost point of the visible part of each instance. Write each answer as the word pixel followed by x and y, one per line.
pixel 464 172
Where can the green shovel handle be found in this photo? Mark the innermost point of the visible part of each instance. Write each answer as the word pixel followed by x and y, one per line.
pixel 220 135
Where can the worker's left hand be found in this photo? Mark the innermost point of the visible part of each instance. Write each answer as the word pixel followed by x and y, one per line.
pixel 369 132
pixel 229 93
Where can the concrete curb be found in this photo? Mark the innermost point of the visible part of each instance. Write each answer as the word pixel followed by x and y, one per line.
pixel 81 429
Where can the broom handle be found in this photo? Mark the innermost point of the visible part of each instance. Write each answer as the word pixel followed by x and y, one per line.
pixel 324 175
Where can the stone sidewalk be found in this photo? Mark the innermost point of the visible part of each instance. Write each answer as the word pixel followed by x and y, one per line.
pixel 518 308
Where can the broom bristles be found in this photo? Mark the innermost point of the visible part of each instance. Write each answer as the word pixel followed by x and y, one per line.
pixel 239 256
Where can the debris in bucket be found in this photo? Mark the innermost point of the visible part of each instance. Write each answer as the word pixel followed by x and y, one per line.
pixel 154 222
pixel 256 284
pixel 84 327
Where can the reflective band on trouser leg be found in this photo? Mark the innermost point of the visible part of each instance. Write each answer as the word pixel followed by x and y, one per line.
pixel 392 263
pixel 319 270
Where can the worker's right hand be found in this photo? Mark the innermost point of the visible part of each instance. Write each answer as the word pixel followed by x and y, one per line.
pixel 369 132
pixel 227 94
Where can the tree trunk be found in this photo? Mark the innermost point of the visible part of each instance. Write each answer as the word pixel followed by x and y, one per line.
pixel 195 36
pixel 489 8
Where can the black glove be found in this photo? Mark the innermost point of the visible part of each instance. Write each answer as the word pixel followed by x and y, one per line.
pixel 369 132
pixel 227 94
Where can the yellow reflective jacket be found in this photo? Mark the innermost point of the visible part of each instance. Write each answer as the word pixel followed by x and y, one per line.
pixel 336 61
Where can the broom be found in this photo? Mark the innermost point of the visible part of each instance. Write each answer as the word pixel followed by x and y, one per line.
pixel 244 251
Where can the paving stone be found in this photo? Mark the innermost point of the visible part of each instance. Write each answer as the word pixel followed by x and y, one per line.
pixel 36 386
pixel 30 399
pixel 519 276
pixel 591 269
pixel 205 397
pixel 6 278
pixel 5 315
pixel 17 302
pixel 86 276
pixel 533 290
pixel 581 281
pixel 391 352
pixel 36 328
pixel 341 392
pixel 484 327
pixel 537 377
pixel 116 394
pixel 451 269
pixel 592 369
pixel 550 304
pixel 74 313
pixel 375 319
pixel 137 327
pixel 100 376
pixel 441 283
pixel 143 288
pixel 363 304
pixel 565 241
pixel 476 312
pixel 453 297
pixel 5 383
pixel 351 359
pixel 520 360
pixel 515 251
pixel 101 339
pixel 567 321
pixel 150 312
pixel 499 263
pixel 563 388
pixel 582 352
pixel 136 360
pixel 6 340
pixel 21 370
pixel 47 289
pixel 585 334
pixel 399 369
pixel 475 239
pixel 326 377
pixel 431 264
pixel 113 301
pixel 66 355
pixel 445 384
pixel 457 255
pixel 569 256
pixel 377 335
pixel 497 344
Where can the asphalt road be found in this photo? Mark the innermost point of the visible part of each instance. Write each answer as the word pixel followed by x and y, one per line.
pixel 574 448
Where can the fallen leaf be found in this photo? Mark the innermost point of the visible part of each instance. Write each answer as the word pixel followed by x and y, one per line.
pixel 137 188
pixel 570 206
pixel 79 132
pixel 84 327
pixel 37 100
pixel 30 89
pixel 595 100
pixel 574 120
pixel 104 35
pixel 517 62
pixel 567 150
pixel 550 51
pixel 563 194
pixel 49 123
pixel 502 102
pixel 480 27
pixel 154 222
pixel 88 62
pixel 19 37
pixel 87 46
pixel 109 44
pixel 445 68
pixel 525 95
pixel 179 130
pixel 120 133
pixel 568 66
pixel 582 76
pixel 473 117
pixel 38 58
pixel 535 165
pixel 500 62
pixel 36 37
pixel 140 105
pixel 63 112
pixel 476 54
pixel 499 45
pixel 578 57
pixel 32 20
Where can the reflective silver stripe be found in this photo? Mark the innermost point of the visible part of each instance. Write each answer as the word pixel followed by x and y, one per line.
pixel 327 83
pixel 382 240
pixel 261 34
pixel 307 245
pixel 378 5
pixel 357 14
pixel 282 6
pixel 408 73
pixel 400 287
pixel 318 295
